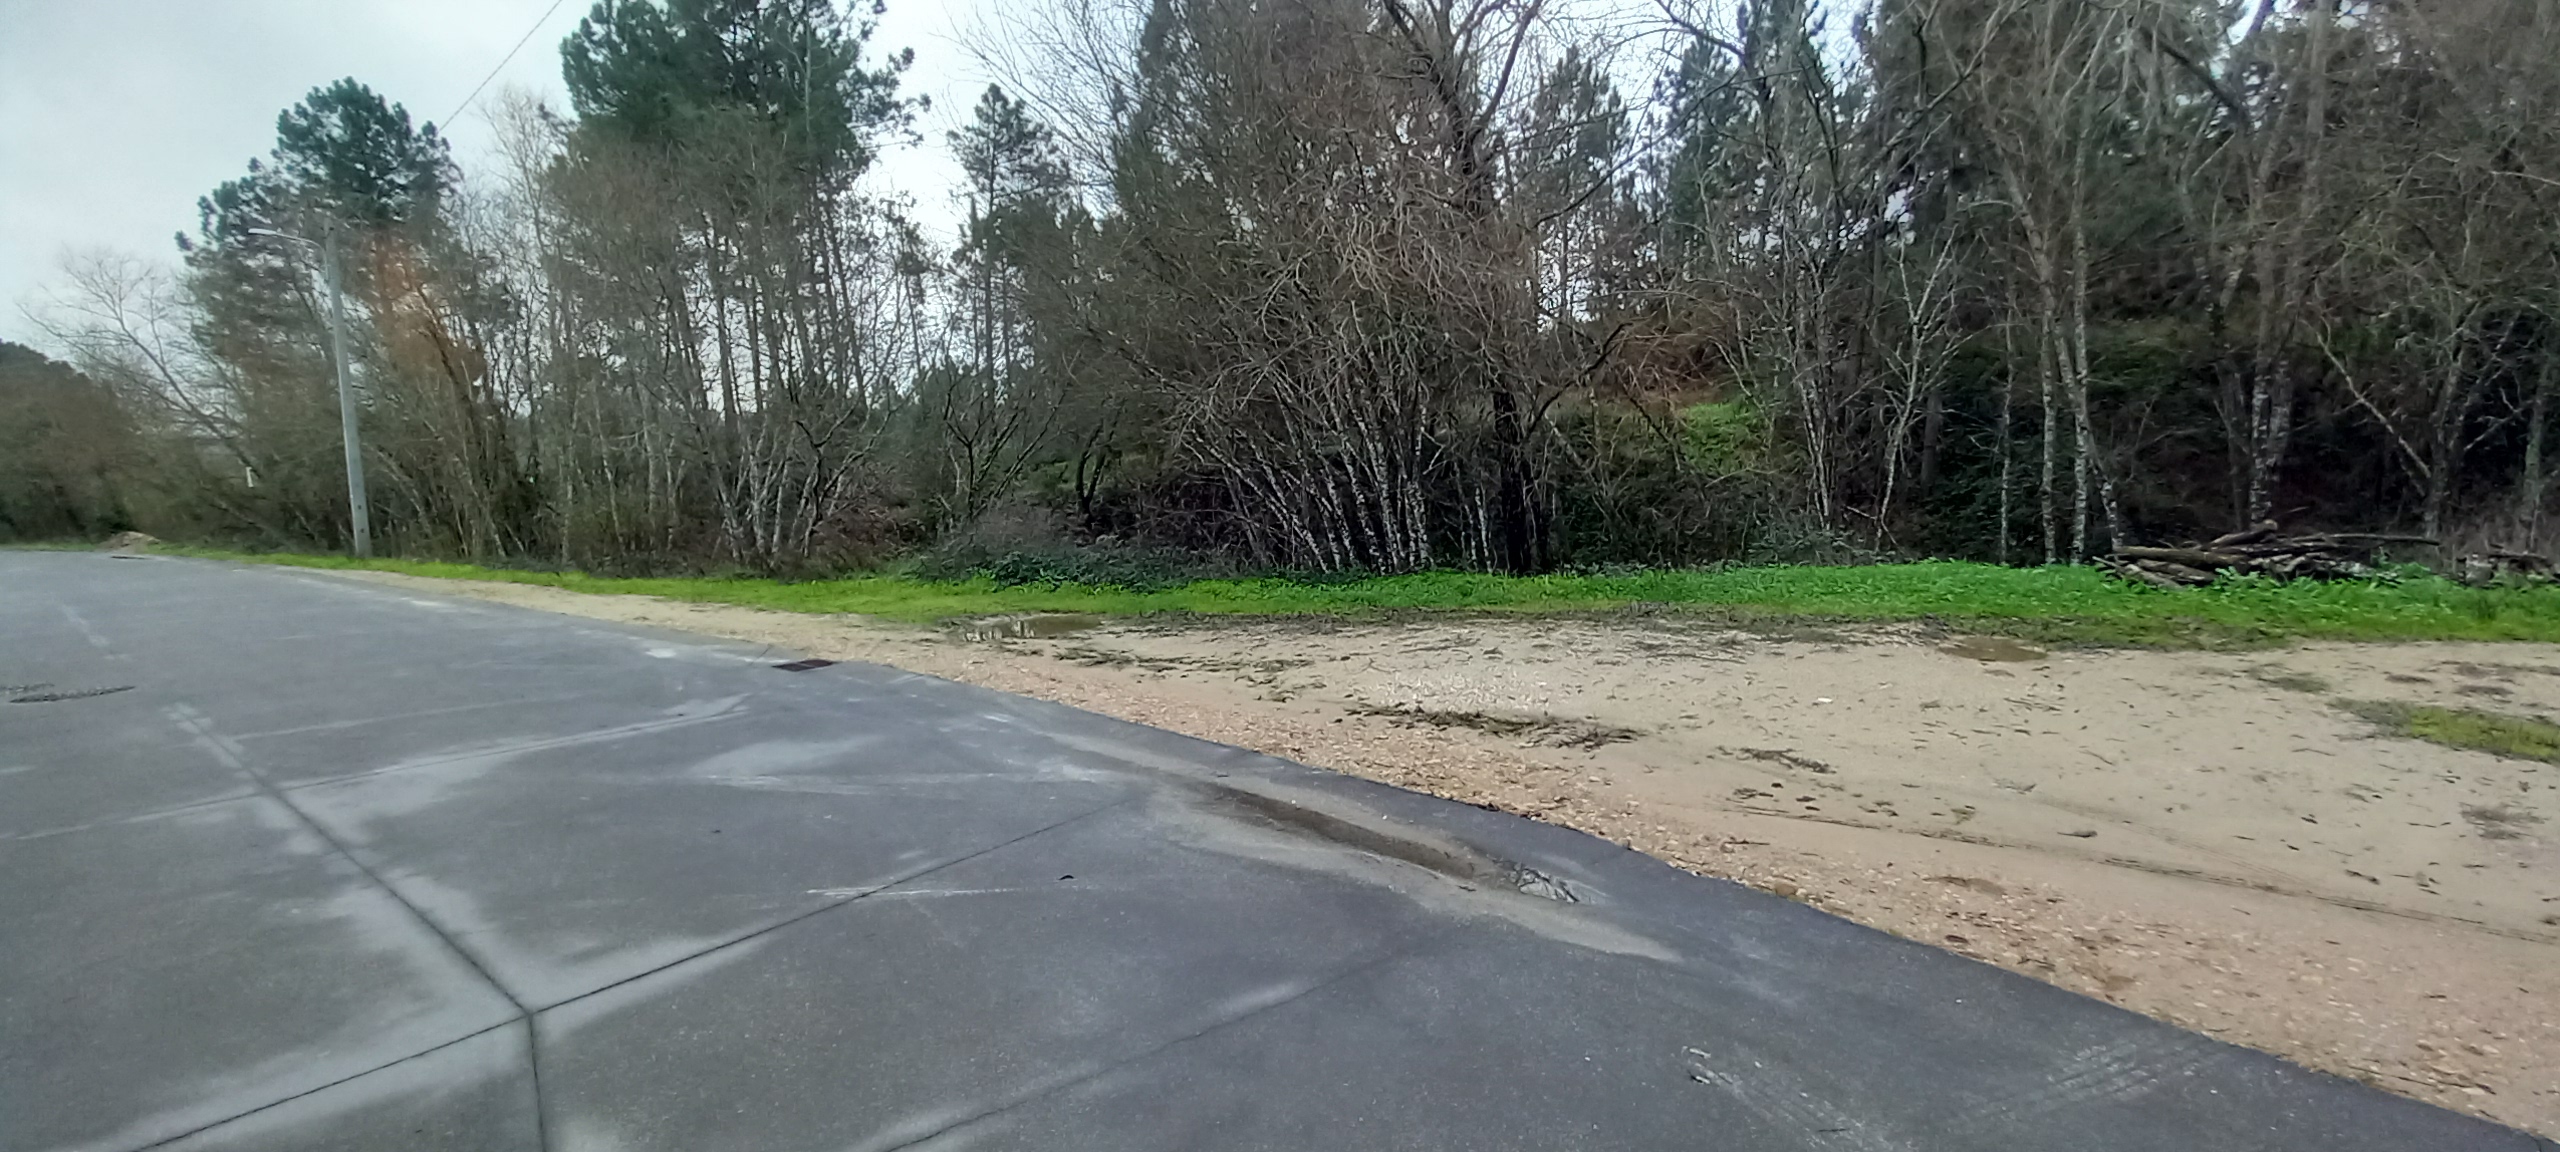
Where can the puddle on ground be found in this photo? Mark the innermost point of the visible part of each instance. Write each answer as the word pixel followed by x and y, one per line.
pixel 1994 649
pixel 1041 626
pixel 1454 860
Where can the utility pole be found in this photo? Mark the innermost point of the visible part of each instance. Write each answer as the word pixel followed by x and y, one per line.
pixel 360 518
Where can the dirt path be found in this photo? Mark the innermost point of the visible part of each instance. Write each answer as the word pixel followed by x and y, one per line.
pixel 2200 837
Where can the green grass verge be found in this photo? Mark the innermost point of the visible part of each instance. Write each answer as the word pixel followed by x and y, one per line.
pixel 2514 737
pixel 2054 605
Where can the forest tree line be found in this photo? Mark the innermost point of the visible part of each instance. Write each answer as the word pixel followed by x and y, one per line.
pixel 1371 285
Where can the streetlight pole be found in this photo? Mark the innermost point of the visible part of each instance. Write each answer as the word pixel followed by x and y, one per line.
pixel 359 516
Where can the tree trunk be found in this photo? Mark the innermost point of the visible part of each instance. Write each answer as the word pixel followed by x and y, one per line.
pixel 2008 404
pixel 2532 487
pixel 2046 370
pixel 2271 392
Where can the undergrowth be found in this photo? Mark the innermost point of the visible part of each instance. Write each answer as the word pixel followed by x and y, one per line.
pixel 2062 605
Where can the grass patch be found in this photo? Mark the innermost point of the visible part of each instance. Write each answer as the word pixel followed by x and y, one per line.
pixel 2514 737
pixel 2057 605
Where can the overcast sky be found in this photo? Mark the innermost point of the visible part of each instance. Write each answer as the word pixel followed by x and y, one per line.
pixel 115 115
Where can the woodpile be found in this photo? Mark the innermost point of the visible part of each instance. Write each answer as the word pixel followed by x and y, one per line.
pixel 2259 551
pixel 2482 569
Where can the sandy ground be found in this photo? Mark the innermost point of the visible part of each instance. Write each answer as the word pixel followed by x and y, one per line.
pixel 2201 837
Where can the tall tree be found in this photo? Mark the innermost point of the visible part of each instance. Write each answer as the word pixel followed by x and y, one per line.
pixel 666 71
pixel 722 270
pixel 997 408
pixel 349 170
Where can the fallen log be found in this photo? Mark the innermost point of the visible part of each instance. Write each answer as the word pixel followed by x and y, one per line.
pixel 2192 557
pixel 2193 577
pixel 2365 539
pixel 2141 574
pixel 2250 535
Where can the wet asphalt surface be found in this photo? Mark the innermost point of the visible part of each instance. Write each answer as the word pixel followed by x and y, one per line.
pixel 290 862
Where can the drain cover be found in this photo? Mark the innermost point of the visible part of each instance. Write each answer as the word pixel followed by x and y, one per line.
pixel 804 665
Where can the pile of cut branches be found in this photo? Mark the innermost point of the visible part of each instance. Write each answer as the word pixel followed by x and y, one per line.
pixel 2259 551
pixel 2499 566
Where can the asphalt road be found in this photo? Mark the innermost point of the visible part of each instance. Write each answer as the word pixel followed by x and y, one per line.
pixel 331 866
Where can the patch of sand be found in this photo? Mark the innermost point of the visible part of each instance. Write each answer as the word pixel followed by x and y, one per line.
pixel 2204 838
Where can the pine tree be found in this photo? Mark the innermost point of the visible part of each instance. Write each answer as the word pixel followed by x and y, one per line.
pixel 662 71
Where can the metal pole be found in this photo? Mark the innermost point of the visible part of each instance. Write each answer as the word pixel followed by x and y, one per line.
pixel 359 517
